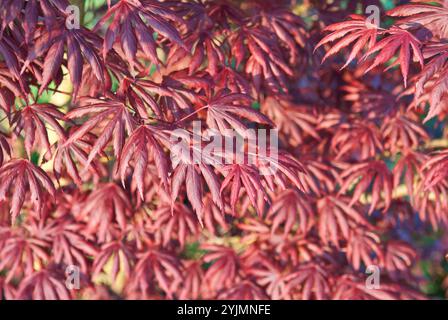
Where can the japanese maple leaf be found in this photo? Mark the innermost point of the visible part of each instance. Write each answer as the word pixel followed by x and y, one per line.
pixel 155 268
pixel 149 98
pixel 32 119
pixel 434 169
pixel 266 60
pixel 232 80
pixel 294 121
pixel 134 22
pixel 113 112
pixel 434 17
pixel 281 170
pixel 223 113
pixel 289 28
pixel 361 246
pixel 357 30
pixel 374 173
pixel 288 209
pixel 45 284
pixel 432 82
pixel 359 139
pixel 214 219
pixel 120 254
pixel 190 174
pixel 72 154
pixel 20 175
pixel 11 10
pixel 177 223
pixel 21 252
pixel 311 280
pixel 9 90
pixel 206 50
pixel 402 132
pixel 398 258
pixel 193 277
pixel 337 218
pixel 273 278
pixel 409 164
pixel 142 145
pixel 350 287
pixel 79 43
pixel 401 40
pixel 105 209
pixel 240 175
pixel 69 246
pixel 224 270
pixel 10 53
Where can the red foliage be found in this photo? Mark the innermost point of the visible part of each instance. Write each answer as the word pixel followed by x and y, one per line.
pixel 99 182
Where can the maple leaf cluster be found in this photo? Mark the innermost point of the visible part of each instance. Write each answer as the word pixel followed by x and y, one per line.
pixel 360 179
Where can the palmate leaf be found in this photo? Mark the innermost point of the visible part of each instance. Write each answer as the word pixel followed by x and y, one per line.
pixel 398 258
pixel 357 30
pixel 121 256
pixel 357 139
pixel 409 164
pixel 144 144
pixel 271 277
pixel 282 170
pixel 402 132
pixel 111 113
pixel 72 154
pixel 290 30
pixel 337 218
pixel 396 39
pixel 373 173
pixel 265 63
pixel 149 98
pixel 245 290
pixel 238 176
pixel 223 272
pixel 79 43
pixel 192 284
pixel 69 246
pixel 310 280
pixel 349 287
pixel 435 169
pixel 206 50
pixel 364 247
pixel 20 252
pixel 12 10
pixel 32 119
pixel 223 113
pixel 433 15
pixel 134 23
pixel 288 209
pixel 155 268
pixel 432 82
pixel 45 284
pixel 10 53
pixel 293 120
pixel 104 211
pixel 190 174
pixel 20 175
pixel 9 90
pixel 177 223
